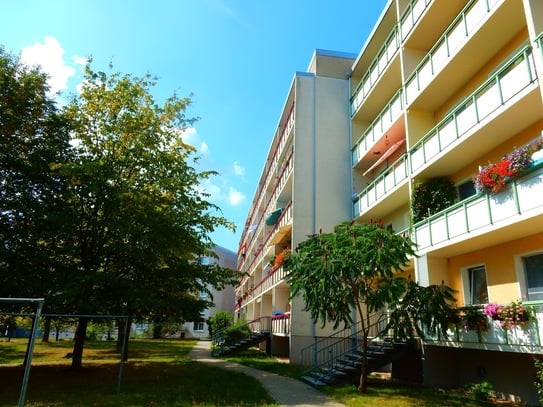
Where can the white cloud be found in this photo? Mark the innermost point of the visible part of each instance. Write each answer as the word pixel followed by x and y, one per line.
pixel 49 55
pixel 238 169
pixel 235 197
pixel 190 136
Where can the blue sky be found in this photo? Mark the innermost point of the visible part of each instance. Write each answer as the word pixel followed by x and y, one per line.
pixel 236 57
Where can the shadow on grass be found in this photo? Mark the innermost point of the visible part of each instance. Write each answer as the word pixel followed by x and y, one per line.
pixel 179 383
pixel 156 374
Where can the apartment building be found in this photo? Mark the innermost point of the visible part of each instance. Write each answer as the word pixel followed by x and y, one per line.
pixel 304 187
pixel 439 90
pixel 223 300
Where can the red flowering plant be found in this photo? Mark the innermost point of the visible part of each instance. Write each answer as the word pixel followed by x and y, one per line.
pixel 494 176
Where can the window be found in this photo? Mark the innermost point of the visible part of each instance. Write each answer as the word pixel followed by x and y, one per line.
pixel 466 189
pixel 198 326
pixel 533 272
pixel 476 286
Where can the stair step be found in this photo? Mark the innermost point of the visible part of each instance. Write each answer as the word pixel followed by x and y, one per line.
pixel 313 381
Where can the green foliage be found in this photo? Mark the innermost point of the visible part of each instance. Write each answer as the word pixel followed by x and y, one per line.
pixel 474 319
pixel 33 135
pixel 101 207
pixel 221 320
pixel 422 310
pixel 481 391
pixel 353 267
pixel 431 197
pixel 236 332
pixel 538 383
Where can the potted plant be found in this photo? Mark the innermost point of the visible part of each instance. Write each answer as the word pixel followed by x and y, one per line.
pixel 474 319
pixel 431 197
pixel 493 177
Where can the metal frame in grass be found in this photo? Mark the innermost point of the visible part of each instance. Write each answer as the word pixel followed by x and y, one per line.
pixel 32 339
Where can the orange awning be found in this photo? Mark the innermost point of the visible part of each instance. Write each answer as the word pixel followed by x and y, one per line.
pixel 385 155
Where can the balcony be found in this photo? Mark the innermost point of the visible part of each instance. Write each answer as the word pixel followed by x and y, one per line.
pixel 281 324
pixel 376 70
pixel 499 93
pixel 483 28
pixel 468 225
pixel 525 339
pixel 384 121
pixel 411 15
pixel 390 180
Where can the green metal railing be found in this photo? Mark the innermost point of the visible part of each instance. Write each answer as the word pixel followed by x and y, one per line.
pixel 481 210
pixel 379 126
pixel 517 74
pixel 460 28
pixel 393 176
pixel 377 67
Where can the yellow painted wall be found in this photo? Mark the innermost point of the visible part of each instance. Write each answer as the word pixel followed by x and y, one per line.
pixel 518 140
pixel 500 268
pixel 483 74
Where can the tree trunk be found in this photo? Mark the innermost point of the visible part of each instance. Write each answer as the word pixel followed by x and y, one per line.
pixel 363 385
pixel 79 343
pixel 46 329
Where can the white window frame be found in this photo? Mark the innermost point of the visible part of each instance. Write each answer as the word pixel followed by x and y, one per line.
pixel 521 273
pixel 197 326
pixel 466 283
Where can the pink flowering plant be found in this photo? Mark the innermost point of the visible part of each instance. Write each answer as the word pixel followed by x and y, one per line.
pixel 492 310
pixel 510 316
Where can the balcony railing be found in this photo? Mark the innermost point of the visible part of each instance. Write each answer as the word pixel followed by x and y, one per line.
pixel 376 69
pixel 281 324
pixel 412 15
pixel 495 93
pixel 379 127
pixel 521 339
pixel 539 42
pixel 454 37
pixel 482 210
pixel 393 176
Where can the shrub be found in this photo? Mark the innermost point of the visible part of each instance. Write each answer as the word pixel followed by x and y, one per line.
pixel 236 332
pixel 431 197
pixel 481 391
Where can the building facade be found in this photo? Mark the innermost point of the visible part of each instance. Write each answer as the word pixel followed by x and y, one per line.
pixel 441 89
pixel 445 91
pixel 223 299
pixel 298 193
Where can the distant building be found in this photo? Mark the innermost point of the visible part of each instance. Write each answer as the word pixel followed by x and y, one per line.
pixel 224 299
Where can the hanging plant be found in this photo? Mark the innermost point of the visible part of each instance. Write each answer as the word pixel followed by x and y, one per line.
pixel 431 197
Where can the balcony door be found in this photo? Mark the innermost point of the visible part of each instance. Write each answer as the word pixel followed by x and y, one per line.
pixel 475 285
pixel 533 274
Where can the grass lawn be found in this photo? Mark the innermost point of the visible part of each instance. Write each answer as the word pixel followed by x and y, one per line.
pixel 157 374
pixel 380 392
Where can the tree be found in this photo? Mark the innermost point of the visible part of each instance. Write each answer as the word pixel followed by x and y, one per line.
pixel 137 223
pixel 355 267
pixel 34 135
pixel 221 320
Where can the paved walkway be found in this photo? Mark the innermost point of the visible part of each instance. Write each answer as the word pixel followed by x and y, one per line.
pixel 284 390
